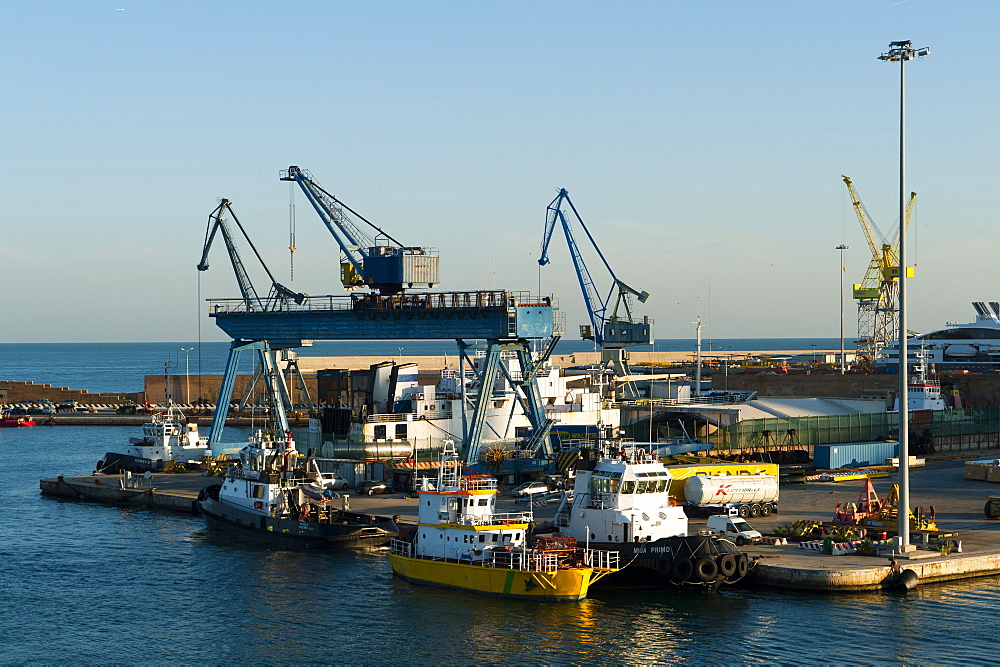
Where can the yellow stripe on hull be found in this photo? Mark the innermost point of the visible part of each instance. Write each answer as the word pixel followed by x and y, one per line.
pixel 563 584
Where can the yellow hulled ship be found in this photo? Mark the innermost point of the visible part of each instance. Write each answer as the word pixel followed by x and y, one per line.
pixel 460 541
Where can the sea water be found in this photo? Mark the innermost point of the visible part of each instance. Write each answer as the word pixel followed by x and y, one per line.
pixel 88 583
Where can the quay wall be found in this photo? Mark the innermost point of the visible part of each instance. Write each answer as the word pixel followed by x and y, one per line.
pixel 13 391
pixel 873 578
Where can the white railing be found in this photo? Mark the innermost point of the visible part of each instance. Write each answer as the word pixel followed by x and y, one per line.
pixel 494 519
pixel 606 560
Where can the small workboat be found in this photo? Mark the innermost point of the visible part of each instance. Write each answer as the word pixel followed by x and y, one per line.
pixel 272 496
pixel 166 438
pixel 460 541
pixel 11 420
pixel 621 501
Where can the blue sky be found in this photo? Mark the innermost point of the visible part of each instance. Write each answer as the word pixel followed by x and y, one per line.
pixel 702 142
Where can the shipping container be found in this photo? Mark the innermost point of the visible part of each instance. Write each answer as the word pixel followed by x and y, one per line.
pixel 854 454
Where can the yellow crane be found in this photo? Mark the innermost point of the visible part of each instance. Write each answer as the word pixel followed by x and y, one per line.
pixel 878 294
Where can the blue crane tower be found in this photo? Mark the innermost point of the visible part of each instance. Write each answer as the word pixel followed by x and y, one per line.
pixel 611 331
pixel 276 300
pixel 507 321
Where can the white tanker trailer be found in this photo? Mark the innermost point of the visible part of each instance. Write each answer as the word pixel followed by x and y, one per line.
pixel 743 495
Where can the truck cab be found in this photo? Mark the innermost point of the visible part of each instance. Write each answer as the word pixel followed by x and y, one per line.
pixel 733 528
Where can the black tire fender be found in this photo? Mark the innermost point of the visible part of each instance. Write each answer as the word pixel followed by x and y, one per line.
pixel 727 565
pixel 706 569
pixel 682 570
pixel 742 566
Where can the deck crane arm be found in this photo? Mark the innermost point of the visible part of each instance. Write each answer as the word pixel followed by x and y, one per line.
pixel 216 224
pixel 387 268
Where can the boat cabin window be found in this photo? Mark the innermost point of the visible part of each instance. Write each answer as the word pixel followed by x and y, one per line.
pixel 482 538
pixel 400 431
pixel 628 487
pixel 483 502
pixel 379 433
pixel 258 490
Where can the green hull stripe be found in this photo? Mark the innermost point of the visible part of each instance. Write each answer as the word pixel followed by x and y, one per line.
pixel 508 583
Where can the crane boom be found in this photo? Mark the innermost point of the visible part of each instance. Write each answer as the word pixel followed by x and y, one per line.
pixel 608 330
pixel 878 314
pixel 279 293
pixel 386 268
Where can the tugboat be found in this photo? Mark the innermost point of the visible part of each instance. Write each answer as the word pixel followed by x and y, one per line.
pixel 460 541
pixel 621 502
pixel 165 438
pixel 269 497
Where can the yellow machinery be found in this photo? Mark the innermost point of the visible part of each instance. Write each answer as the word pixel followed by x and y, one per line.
pixel 877 295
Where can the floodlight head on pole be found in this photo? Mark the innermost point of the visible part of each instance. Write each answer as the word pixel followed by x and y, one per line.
pixel 903 51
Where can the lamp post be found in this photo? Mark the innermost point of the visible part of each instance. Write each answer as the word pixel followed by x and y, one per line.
pixel 901 52
pixel 842 248
pixel 187 375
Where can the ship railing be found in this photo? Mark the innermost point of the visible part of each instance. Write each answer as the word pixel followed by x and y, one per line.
pixel 521 560
pixel 600 559
pixel 405 416
pixel 478 483
pixel 401 548
pixel 494 519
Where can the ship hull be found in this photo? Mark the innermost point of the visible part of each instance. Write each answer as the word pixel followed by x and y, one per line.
pixel 349 530
pixel 696 560
pixel 564 585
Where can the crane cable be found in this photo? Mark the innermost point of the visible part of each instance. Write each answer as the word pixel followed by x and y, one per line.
pixel 291 230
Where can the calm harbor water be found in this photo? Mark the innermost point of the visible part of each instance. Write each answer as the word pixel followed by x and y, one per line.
pixel 88 583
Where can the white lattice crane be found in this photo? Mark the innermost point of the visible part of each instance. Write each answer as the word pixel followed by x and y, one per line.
pixel 878 294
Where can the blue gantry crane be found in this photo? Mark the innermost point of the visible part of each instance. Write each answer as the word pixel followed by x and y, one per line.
pixel 505 320
pixel 612 325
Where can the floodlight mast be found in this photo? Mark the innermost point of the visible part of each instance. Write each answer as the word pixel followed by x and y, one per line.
pixel 900 52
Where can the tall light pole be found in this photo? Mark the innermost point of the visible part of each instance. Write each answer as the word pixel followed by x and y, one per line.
pixel 842 248
pixel 901 52
pixel 187 375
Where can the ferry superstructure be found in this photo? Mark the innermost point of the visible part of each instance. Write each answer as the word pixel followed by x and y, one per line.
pixel 974 346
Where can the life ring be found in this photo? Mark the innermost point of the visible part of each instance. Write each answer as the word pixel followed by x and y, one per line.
pixel 706 569
pixel 672 503
pixel 682 570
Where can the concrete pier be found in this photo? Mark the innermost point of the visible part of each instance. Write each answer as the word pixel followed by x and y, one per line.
pixel 958 503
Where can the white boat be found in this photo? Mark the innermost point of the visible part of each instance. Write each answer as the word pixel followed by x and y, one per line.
pixel 621 501
pixel 166 438
pixel 399 415
pixel 974 346
pixel 272 496
pixel 922 391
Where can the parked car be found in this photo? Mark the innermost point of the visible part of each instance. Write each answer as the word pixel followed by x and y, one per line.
pixel 372 486
pixel 529 489
pixel 332 480
pixel 66 406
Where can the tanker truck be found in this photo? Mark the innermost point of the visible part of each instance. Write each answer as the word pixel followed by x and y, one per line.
pixel 733 495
